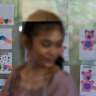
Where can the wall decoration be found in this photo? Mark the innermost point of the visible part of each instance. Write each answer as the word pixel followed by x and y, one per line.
pixel 87 80
pixel 87 45
pixel 6 21
pixel 87 83
pixel 6 14
pixel 5 38
pixel 2 83
pixel 5 63
pixel 65 47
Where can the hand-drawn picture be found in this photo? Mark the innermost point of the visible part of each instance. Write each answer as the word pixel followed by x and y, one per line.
pixel 2 83
pixel 87 83
pixel 65 47
pixel 87 45
pixel 6 21
pixel 87 80
pixel 5 63
pixel 6 14
pixel 5 38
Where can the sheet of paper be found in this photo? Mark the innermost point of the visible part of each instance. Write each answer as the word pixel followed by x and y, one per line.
pixel 87 45
pixel 65 48
pixel 2 83
pixel 66 69
pixel 5 63
pixel 5 38
pixel 6 14
pixel 88 80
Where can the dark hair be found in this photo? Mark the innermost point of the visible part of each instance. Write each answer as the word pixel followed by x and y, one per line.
pixel 31 29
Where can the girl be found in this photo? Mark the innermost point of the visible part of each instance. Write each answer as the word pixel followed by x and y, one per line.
pixel 42 74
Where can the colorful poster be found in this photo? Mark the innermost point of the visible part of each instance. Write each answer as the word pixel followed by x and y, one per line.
pixel 87 45
pixel 2 83
pixel 5 38
pixel 6 14
pixel 87 80
pixel 5 63
pixel 65 48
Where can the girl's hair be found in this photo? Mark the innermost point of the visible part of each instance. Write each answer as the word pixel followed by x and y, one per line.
pixel 31 29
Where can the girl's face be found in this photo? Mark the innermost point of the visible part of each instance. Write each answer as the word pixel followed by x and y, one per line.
pixel 48 46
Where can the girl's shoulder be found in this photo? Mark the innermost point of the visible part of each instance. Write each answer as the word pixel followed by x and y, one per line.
pixel 63 82
pixel 64 76
pixel 15 72
pixel 18 68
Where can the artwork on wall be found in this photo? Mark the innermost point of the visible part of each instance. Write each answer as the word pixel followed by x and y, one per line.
pixel 6 14
pixel 87 80
pixel 5 38
pixel 65 47
pixel 87 45
pixel 2 83
pixel 5 63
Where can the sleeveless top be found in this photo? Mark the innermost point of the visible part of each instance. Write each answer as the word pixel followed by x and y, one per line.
pixel 60 84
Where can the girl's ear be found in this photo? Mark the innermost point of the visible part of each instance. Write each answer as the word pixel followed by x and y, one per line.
pixel 25 41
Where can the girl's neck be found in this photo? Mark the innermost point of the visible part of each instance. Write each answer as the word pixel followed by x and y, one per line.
pixel 40 70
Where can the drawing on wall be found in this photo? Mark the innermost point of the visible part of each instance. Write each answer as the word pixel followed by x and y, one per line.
pixel 2 83
pixel 6 21
pixel 87 83
pixel 6 14
pixel 65 47
pixel 87 45
pixel 5 38
pixel 87 80
pixel 5 62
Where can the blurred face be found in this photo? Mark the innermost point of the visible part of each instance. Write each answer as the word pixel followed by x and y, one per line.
pixel 48 46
